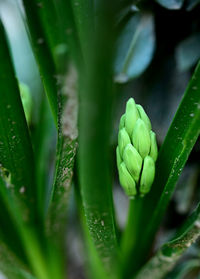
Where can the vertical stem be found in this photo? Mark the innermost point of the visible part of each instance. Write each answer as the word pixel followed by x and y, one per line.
pixel 131 230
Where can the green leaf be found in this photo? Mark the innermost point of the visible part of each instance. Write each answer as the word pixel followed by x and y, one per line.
pixel 66 151
pixel 43 53
pixel 188 52
pixel 16 154
pixel 10 266
pixel 45 146
pixel 95 111
pixel 69 32
pixel 168 255
pixel 173 155
pixel 135 47
pixel 171 4
pixel 84 20
pixel 20 238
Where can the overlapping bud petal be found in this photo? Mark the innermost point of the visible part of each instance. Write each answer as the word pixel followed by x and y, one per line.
pixel 136 151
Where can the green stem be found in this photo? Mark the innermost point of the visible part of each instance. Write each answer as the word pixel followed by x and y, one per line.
pixel 131 230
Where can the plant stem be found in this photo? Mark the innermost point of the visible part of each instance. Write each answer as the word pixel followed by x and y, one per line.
pixel 131 230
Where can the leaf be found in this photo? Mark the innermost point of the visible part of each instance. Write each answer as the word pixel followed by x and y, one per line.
pixel 191 4
pixel 173 155
pixel 43 54
pixel 84 19
pixel 171 4
pixel 66 151
pixel 16 154
pixel 45 149
pixel 183 269
pixel 135 47
pixel 69 30
pixel 168 255
pixel 20 238
pixel 188 52
pixel 10 265
pixel 94 137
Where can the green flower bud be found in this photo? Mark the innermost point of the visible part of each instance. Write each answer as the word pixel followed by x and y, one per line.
pixel 123 140
pixel 127 181
pixel 131 116
pixel 144 116
pixel 133 161
pixel 147 176
pixel 141 138
pixel 137 150
pixel 154 148
pixel 118 156
pixel 122 122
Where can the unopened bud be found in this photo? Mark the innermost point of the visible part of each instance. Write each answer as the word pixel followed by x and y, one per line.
pixel 144 116
pixel 127 181
pixel 133 161
pixel 141 138
pixel 123 140
pixel 148 174
pixel 122 122
pixel 137 150
pixel 131 116
pixel 154 148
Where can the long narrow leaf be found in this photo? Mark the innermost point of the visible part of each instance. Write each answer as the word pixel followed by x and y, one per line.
pixel 95 128
pixel 168 255
pixel 16 154
pixel 43 54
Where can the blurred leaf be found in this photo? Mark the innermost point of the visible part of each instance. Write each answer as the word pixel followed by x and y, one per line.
pixel 125 11
pixel 188 52
pixel 183 269
pixel 69 31
pixel 168 255
pixel 43 53
pixel 185 189
pixel 20 238
pixel 16 154
pixel 191 4
pixel 10 265
pixel 84 19
pixel 172 157
pixel 27 101
pixel 45 146
pixel 135 48
pixel 171 4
